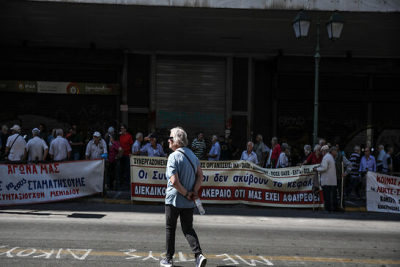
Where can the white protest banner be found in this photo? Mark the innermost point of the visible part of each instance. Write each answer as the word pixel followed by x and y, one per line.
pixel 38 183
pixel 230 182
pixel 383 193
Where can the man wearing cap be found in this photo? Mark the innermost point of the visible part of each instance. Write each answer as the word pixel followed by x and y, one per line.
pixel 36 148
pixel 15 146
pixel 328 180
pixel 96 147
pixel 153 149
pixel 60 150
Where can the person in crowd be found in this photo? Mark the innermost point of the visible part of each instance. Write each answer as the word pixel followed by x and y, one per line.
pixel 184 181
pixel 15 146
pixel 274 153
pixel 315 157
pixel 368 162
pixel 36 148
pixel 3 141
pixel 343 168
pixel 261 150
pixel 43 131
pixel 322 142
pixel 340 151
pixel 224 148
pixel 110 132
pixel 153 149
pixel 198 145
pixel 70 131
pixel 379 160
pixel 232 148
pixel 215 151
pixel 307 152
pixel 138 143
pixel 355 160
pixel 126 142
pixel 396 160
pixel 76 143
pixel 249 154
pixel 60 150
pixel 115 153
pixel 328 180
pixel 51 137
pixel 283 160
pixel 96 147
pixel 387 162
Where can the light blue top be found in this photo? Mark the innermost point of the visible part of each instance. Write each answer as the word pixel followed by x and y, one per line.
pixel 136 146
pixel 151 152
pixel 252 157
pixel 179 163
pixel 215 150
pixel 369 164
pixel 381 155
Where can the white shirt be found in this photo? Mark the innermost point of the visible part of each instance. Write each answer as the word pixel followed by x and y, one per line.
pixel 283 161
pixel 328 170
pixel 59 148
pixel 252 157
pixel 95 151
pixel 36 147
pixel 17 149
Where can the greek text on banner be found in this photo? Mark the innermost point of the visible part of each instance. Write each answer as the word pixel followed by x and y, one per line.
pixel 383 193
pixel 230 182
pixel 38 183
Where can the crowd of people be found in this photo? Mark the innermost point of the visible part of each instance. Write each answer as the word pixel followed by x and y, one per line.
pixel 37 146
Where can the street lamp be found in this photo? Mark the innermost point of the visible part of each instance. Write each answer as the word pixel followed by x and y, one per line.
pixel 334 26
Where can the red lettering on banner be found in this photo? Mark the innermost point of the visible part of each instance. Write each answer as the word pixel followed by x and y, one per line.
pixel 21 169
pixel 56 168
pixel 10 169
pixel 383 190
pixel 51 169
pixel 43 168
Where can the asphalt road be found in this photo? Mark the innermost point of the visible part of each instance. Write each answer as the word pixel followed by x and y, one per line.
pixel 98 234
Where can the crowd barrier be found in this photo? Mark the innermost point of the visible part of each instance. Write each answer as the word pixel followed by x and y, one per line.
pixel 48 182
pixel 231 182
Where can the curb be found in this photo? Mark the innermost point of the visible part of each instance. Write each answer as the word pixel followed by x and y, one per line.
pixel 129 202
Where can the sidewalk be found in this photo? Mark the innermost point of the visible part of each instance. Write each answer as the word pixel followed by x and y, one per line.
pixel 124 197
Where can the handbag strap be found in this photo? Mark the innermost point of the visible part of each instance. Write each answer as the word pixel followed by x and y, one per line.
pixel 194 170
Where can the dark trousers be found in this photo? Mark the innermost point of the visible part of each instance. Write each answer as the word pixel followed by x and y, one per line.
pixel 126 170
pixel 330 197
pixel 354 182
pixel 186 216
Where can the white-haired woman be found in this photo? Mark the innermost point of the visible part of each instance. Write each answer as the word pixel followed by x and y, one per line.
pixel 315 157
pixel 184 180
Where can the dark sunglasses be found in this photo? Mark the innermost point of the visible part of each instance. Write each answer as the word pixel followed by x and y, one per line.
pixel 171 138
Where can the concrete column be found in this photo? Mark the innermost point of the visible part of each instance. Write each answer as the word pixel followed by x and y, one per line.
pixel 153 86
pixel 250 94
pixel 124 97
pixel 228 103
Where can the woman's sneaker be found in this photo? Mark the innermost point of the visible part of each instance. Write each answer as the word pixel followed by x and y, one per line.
pixel 166 263
pixel 201 261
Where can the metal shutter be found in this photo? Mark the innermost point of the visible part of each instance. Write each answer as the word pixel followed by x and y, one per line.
pixel 191 93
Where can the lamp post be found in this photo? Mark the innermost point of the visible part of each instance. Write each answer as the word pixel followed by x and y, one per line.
pixel 334 26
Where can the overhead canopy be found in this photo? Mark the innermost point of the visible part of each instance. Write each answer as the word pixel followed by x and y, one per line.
pixel 191 30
